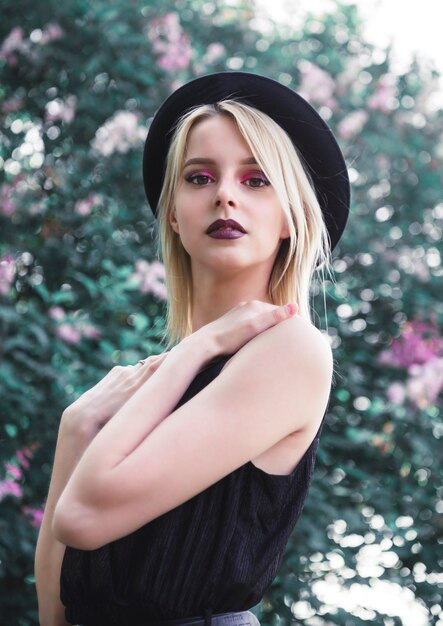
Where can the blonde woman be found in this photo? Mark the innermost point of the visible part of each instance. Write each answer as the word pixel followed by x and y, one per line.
pixel 177 481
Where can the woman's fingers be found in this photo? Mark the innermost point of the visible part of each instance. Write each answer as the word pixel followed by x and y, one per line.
pixel 147 367
pixel 270 318
pixel 97 405
pixel 242 323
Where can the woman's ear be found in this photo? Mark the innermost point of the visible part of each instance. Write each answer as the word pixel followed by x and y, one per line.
pixel 284 233
pixel 173 221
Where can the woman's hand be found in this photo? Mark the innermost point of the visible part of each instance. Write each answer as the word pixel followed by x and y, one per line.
pixel 94 408
pixel 242 323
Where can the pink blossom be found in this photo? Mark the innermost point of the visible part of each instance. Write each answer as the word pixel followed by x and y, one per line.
pixel 384 95
pixel 7 273
pixel 57 313
pixel 119 133
pixel 12 104
pixel 89 331
pixel 14 471
pixel 7 205
pixel 51 32
pixel 396 393
pixel 177 57
pixel 352 124
pixel 35 514
pixel 84 207
pixel 426 382
pixel 169 42
pixel 175 84
pixel 151 277
pixel 61 110
pixel 9 487
pixel 23 455
pixel 14 41
pixel 317 86
pixel 69 333
pixel 214 52
pixel 418 343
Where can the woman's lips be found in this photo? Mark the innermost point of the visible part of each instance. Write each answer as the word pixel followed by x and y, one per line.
pixel 226 233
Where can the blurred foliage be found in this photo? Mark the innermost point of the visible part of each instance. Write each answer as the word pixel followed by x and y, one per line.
pixel 81 289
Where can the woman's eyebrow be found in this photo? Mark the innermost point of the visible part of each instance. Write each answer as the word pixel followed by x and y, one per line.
pixel 206 161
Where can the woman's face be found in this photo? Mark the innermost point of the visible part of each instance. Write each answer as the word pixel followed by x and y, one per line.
pixel 221 180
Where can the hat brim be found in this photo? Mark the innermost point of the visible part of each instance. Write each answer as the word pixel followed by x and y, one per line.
pixel 310 134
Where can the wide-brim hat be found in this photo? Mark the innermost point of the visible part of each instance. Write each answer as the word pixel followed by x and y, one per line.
pixel 309 133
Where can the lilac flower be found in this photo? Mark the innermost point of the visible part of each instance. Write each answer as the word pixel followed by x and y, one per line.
pixel 90 331
pixel 425 382
pixel 170 43
pixel 317 86
pixel 72 331
pixel 14 472
pixel 23 455
pixel 35 514
pixel 61 110
pixel 68 332
pixel 7 205
pixel 214 52
pixel 119 133
pixel 51 32
pixel 84 207
pixel 396 393
pixel 7 273
pixel 151 277
pixel 13 43
pixel 11 105
pixel 352 124
pixel 384 95
pixel 419 350
pixel 418 343
pixel 9 487
pixel 57 313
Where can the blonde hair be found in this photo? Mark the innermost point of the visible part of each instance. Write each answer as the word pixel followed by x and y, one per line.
pixel 305 251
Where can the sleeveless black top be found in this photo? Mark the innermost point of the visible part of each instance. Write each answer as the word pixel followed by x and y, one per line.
pixel 219 551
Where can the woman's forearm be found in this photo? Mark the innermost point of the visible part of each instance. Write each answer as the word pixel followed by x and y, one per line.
pixel 154 401
pixel 150 405
pixel 71 444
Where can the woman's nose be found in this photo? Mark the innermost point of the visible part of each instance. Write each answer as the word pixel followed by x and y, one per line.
pixel 224 196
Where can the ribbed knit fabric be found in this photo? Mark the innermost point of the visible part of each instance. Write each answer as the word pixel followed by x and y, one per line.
pixel 217 552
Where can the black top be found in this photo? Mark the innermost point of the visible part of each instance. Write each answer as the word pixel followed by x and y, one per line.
pixel 220 550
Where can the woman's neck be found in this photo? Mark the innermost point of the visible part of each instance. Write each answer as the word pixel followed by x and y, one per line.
pixel 210 306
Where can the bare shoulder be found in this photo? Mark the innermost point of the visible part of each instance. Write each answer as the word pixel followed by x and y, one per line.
pixel 300 330
pixel 296 342
pixel 291 361
pixel 303 351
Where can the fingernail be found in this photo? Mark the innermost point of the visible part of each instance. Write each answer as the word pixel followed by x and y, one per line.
pixel 291 308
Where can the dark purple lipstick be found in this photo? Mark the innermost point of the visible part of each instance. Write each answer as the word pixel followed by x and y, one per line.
pixel 226 229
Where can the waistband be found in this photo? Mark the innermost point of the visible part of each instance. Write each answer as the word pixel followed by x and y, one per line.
pixel 242 618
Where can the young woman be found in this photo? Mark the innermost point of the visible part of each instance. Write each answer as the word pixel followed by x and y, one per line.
pixel 177 481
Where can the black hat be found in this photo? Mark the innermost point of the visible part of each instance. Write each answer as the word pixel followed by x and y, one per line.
pixel 310 134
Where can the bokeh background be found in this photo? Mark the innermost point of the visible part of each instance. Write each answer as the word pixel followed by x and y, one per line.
pixel 81 288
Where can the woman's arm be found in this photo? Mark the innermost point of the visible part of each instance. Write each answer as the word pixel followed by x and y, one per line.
pixel 142 465
pixel 71 444
pixel 80 423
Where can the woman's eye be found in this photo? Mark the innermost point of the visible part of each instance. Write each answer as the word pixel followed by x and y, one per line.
pixel 198 179
pixel 256 181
